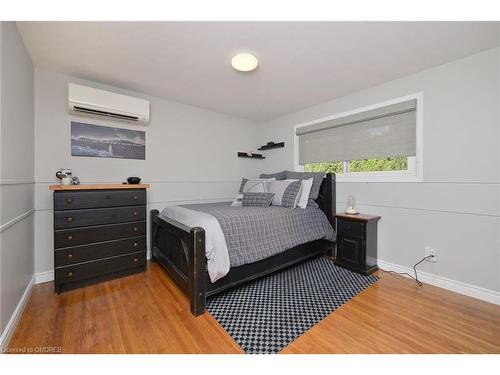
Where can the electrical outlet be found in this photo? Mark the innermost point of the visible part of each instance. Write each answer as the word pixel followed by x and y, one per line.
pixel 430 251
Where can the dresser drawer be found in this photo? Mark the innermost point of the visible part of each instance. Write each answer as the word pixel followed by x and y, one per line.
pixel 73 200
pixel 80 236
pixel 80 218
pixel 349 228
pixel 99 268
pixel 85 253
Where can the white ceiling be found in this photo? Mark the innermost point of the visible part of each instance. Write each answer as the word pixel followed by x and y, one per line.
pixel 301 63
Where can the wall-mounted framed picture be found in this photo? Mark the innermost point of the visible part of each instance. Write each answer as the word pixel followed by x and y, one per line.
pixel 107 142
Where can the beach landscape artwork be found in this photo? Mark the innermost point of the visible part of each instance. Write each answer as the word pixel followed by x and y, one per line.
pixel 107 142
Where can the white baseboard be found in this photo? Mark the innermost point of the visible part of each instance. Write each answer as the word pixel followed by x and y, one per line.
pixel 442 282
pixel 16 315
pixel 44 277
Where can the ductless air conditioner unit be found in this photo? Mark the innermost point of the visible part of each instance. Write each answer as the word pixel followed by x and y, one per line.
pixel 95 102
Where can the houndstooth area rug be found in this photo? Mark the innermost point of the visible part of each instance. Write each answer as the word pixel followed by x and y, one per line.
pixel 265 315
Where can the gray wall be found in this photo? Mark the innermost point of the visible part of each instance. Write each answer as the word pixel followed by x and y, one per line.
pixel 190 154
pixel 456 207
pixel 17 171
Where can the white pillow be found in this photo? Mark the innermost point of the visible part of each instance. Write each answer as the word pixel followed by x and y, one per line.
pixel 261 187
pixel 304 194
pixel 250 184
pixel 238 201
pixel 258 187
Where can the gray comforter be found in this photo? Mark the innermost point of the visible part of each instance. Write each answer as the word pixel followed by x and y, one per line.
pixel 255 233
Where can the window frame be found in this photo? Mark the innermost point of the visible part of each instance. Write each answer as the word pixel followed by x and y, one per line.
pixel 414 173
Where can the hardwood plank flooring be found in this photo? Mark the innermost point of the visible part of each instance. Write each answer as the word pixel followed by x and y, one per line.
pixel 147 313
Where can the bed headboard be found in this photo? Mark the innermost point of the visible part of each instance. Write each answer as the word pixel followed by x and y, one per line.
pixel 327 197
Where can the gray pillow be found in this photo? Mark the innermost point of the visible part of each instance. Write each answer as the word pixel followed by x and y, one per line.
pixel 277 175
pixel 317 180
pixel 257 199
pixel 286 192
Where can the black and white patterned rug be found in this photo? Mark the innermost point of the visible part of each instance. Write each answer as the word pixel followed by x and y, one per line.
pixel 265 315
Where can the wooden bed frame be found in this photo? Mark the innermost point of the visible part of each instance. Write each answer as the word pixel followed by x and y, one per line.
pixel 181 251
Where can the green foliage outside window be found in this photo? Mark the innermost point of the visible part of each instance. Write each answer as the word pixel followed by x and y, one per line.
pixel 333 167
pixel 367 165
pixel 385 164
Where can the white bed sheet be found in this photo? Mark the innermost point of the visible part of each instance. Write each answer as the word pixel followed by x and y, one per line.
pixel 218 263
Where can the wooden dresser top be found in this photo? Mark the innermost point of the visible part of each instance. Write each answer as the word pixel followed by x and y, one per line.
pixel 99 187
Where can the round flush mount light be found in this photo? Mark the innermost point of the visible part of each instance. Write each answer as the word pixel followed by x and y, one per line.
pixel 244 62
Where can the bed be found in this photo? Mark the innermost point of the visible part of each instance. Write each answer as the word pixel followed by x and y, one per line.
pixel 181 249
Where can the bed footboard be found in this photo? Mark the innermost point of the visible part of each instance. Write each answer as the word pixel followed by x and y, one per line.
pixel 181 251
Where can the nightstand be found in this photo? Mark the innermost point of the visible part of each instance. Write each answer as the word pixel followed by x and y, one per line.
pixel 357 242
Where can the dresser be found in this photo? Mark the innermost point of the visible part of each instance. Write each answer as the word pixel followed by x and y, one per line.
pixel 99 233
pixel 357 242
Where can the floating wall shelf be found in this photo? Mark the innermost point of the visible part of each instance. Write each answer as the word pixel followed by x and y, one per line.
pixel 253 156
pixel 271 145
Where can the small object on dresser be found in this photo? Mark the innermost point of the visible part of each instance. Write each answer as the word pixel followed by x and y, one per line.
pixel 75 181
pixel 64 175
pixel 357 242
pixel 63 172
pixel 66 181
pixel 134 180
pixel 351 206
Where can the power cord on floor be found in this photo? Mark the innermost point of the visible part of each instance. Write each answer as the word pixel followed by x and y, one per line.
pixel 414 270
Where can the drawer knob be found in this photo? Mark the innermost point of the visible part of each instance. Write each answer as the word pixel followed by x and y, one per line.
pixel 70 256
pixel 70 274
pixel 136 229
pixel 135 197
pixel 70 237
pixel 69 200
pixel 136 244
pixel 136 213
pixel 136 260
pixel 69 219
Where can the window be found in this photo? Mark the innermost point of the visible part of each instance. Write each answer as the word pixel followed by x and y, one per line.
pixel 380 142
pixel 389 164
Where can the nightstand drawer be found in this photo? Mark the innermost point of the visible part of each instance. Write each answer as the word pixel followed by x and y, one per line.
pixel 74 200
pixel 98 216
pixel 350 251
pixel 85 253
pixel 349 228
pixel 81 236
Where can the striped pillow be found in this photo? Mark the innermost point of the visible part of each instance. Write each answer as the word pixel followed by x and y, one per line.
pixel 291 195
pixel 257 199
pixel 286 192
pixel 317 181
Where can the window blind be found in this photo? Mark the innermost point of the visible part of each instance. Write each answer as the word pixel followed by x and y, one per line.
pixel 382 132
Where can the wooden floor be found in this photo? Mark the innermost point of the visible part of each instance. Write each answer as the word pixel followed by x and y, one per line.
pixel 147 313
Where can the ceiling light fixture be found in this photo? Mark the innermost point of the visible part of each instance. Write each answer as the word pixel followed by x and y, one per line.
pixel 244 62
